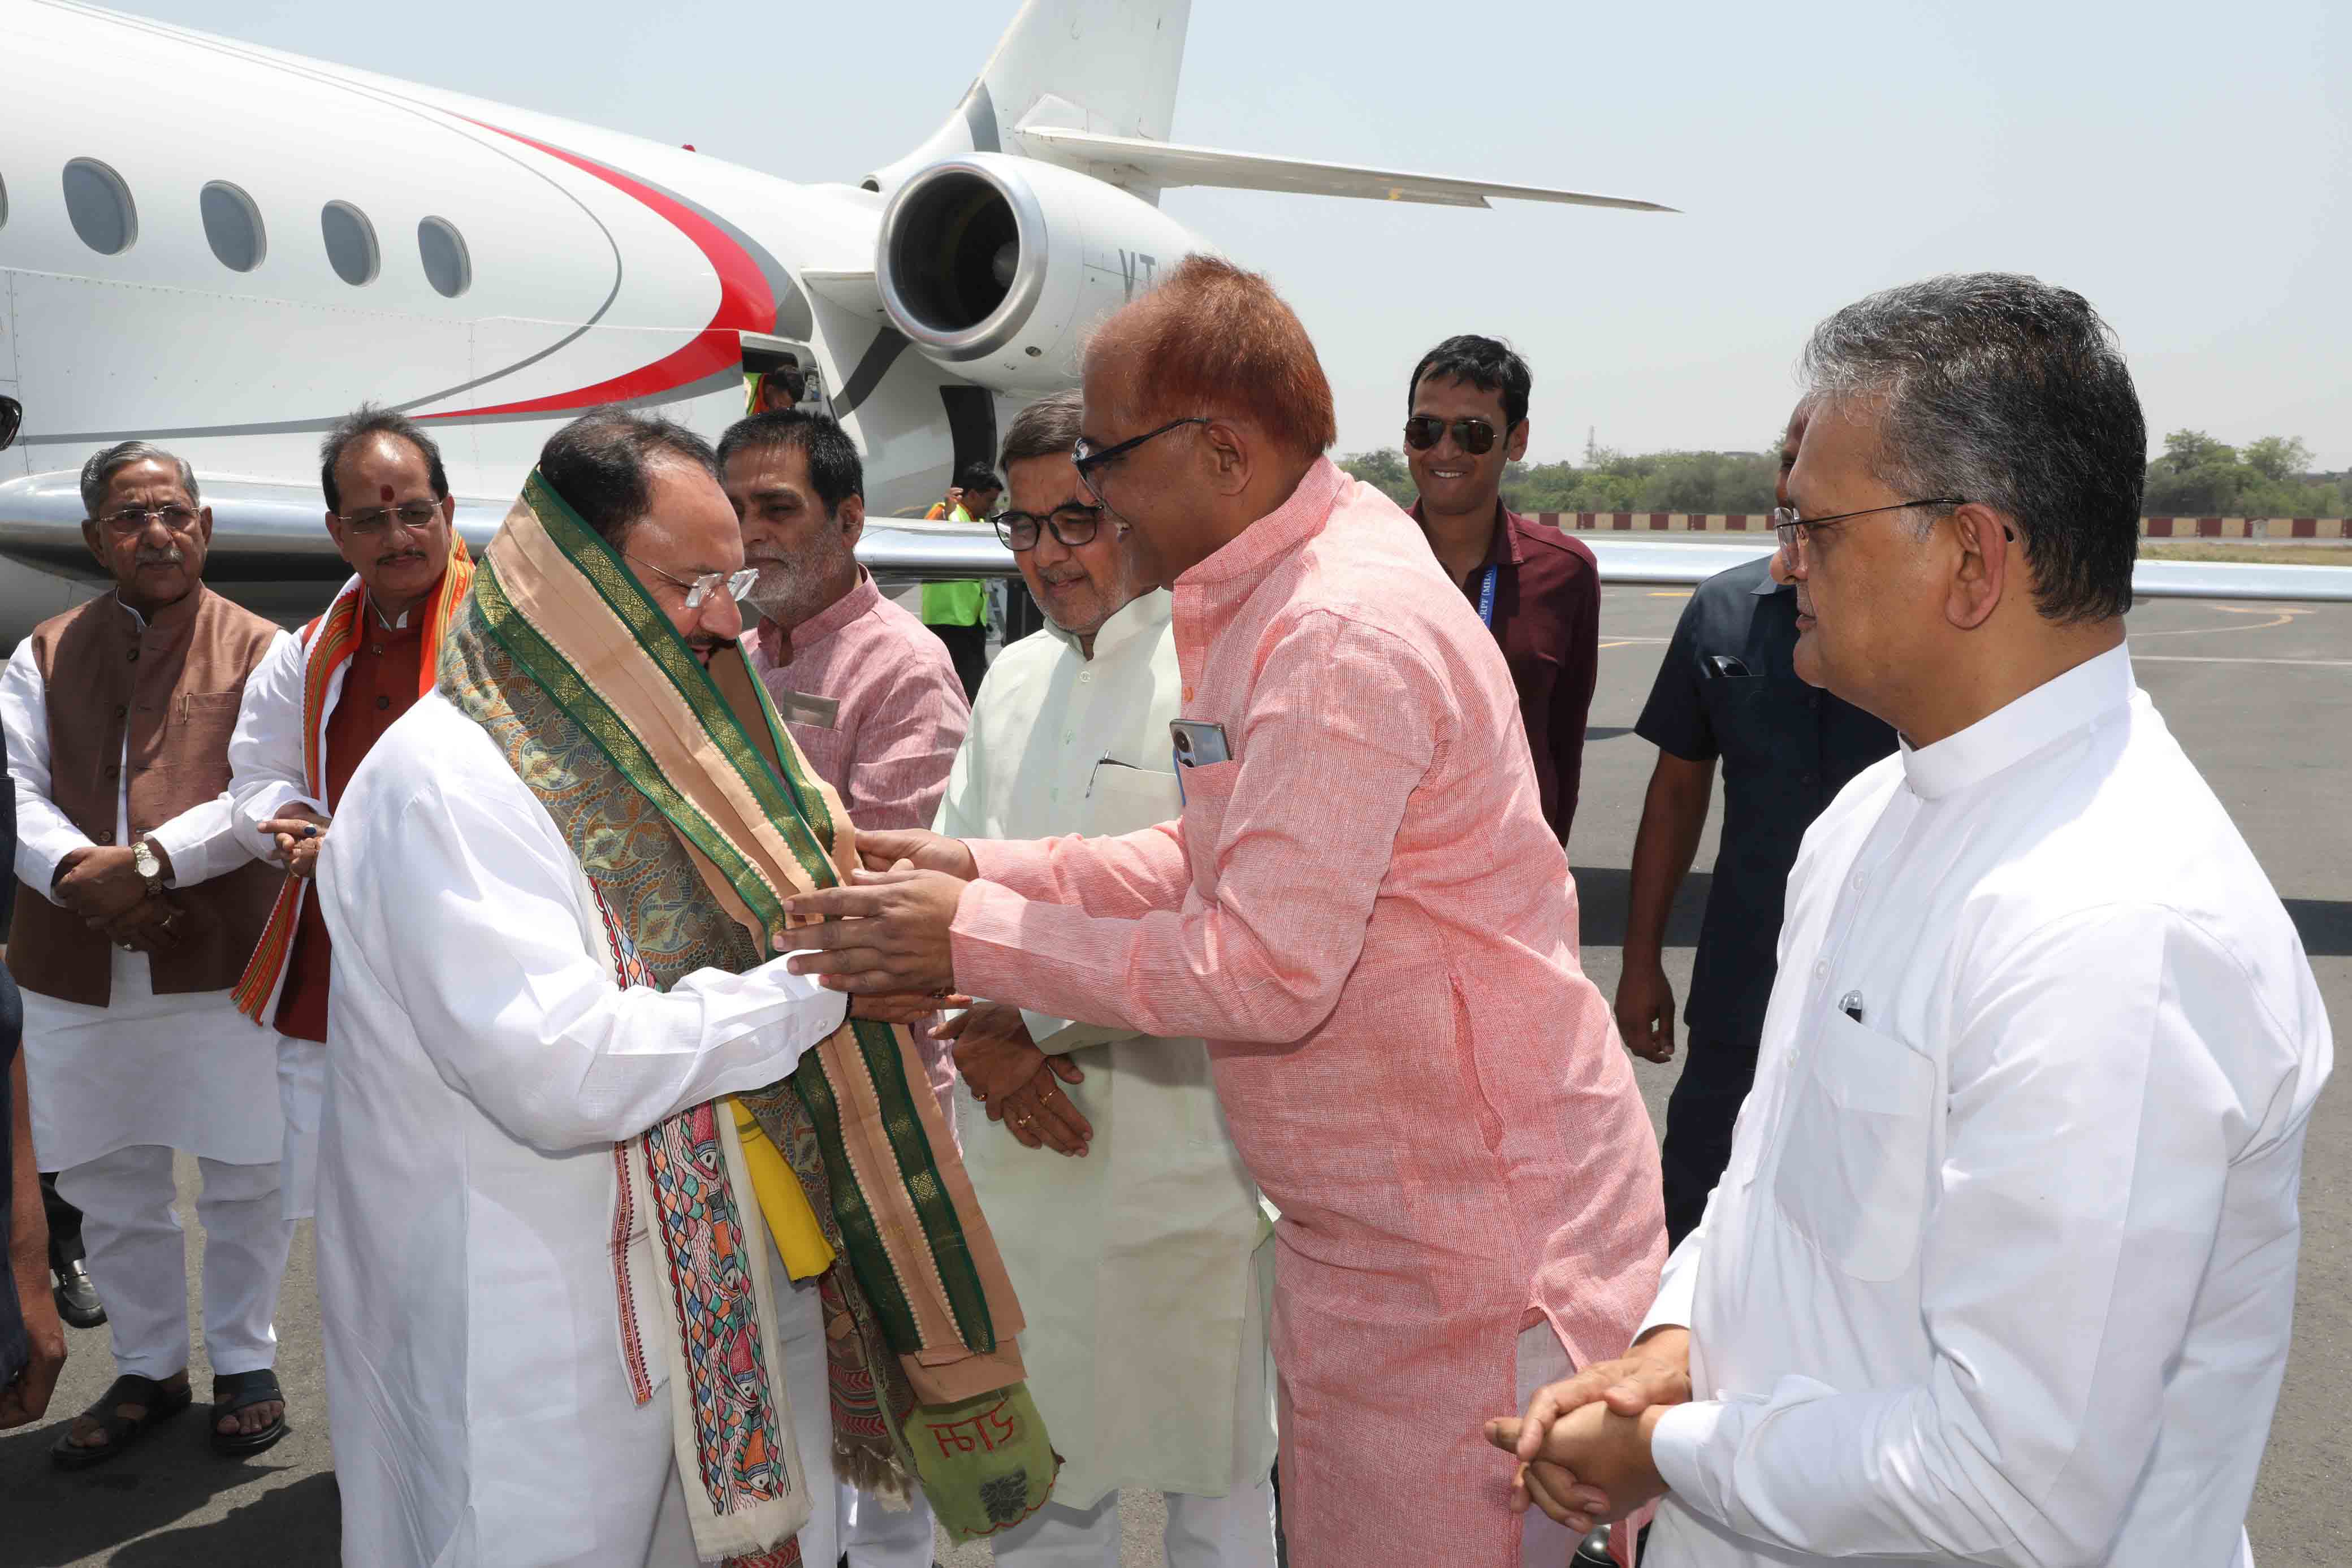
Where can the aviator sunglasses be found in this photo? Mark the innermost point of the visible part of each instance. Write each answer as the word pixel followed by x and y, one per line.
pixel 1424 431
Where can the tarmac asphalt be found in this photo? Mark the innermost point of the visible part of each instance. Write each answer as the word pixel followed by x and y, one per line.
pixel 2260 694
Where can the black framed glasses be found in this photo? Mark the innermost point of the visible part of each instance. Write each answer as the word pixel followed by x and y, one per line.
pixel 1070 525
pixel 1424 431
pixel 414 515
pixel 1090 460
pixel 1792 529
pixel 734 584
pixel 131 519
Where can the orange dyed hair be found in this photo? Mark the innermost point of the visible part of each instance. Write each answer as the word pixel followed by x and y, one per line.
pixel 1214 340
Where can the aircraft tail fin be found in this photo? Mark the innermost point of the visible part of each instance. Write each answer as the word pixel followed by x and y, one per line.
pixel 1108 66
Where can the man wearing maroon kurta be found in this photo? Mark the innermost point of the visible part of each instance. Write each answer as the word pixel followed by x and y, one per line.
pixel 1362 910
pixel 1536 588
pixel 316 708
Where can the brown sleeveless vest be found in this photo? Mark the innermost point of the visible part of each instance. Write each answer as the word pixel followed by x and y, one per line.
pixel 172 690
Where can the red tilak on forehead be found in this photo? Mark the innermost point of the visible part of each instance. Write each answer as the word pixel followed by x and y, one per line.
pixel 386 491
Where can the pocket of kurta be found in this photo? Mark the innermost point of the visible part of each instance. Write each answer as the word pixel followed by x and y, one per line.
pixel 1852 1177
pixel 1207 792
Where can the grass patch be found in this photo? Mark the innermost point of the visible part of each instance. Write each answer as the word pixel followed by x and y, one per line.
pixel 2261 555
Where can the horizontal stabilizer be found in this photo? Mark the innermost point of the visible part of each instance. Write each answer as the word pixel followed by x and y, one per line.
pixel 1168 164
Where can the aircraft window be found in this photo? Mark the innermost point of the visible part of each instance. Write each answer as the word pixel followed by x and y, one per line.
pixel 232 227
pixel 350 242
pixel 447 267
pixel 99 203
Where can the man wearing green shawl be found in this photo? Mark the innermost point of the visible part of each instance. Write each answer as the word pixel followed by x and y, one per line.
pixel 629 1242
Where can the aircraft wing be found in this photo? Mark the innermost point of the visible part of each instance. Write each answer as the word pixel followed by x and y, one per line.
pixel 1168 163
pixel 270 553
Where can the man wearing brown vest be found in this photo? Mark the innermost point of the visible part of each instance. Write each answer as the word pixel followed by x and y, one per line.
pixel 141 903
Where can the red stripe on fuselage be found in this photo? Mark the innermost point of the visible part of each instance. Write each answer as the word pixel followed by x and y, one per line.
pixel 746 304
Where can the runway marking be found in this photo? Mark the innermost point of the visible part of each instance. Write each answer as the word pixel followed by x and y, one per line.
pixel 1629 642
pixel 2279 618
pixel 1670 594
pixel 2216 659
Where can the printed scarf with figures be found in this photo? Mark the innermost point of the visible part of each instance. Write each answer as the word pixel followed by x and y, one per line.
pixel 694 817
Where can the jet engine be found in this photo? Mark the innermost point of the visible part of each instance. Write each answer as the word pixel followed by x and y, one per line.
pixel 995 266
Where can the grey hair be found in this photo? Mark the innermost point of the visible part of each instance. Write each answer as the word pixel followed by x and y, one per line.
pixel 1050 424
pixel 2002 390
pixel 100 472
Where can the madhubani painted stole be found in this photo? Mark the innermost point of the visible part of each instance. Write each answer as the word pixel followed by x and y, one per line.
pixel 328 643
pixel 693 818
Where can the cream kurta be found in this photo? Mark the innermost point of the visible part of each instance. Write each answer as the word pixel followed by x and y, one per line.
pixel 1144 1270
pixel 481 1066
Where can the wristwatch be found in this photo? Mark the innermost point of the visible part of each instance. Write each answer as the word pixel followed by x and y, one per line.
pixel 149 869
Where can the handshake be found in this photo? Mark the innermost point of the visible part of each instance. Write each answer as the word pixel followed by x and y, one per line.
pixel 1583 1446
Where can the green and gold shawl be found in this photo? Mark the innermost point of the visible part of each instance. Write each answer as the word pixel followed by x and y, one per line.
pixel 693 818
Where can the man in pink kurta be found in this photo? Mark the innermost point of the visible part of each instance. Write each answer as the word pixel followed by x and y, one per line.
pixel 1365 914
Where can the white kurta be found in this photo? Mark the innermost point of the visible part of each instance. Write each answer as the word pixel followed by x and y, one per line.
pixel 182 1071
pixel 1145 1270
pixel 2003 1270
pixel 481 1066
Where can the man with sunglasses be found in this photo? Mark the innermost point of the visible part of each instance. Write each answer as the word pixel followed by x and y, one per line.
pixel 316 708
pixel 1536 588
pixel 1359 907
pixel 2002 1269
pixel 141 901
pixel 1145 1264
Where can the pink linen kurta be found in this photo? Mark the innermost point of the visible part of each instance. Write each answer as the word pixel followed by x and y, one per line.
pixel 1365 916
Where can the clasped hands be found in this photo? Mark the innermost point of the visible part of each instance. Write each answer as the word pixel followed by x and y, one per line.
pixel 102 884
pixel 885 930
pixel 1583 1446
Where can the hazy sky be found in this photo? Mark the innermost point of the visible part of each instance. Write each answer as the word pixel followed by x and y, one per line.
pixel 2186 166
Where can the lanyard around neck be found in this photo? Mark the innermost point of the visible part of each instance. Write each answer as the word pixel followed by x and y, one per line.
pixel 1487 597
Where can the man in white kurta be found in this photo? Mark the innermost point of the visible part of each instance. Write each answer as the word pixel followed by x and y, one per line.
pixel 117 715
pixel 1145 1268
pixel 481 1278
pixel 482 1064
pixel 2002 1268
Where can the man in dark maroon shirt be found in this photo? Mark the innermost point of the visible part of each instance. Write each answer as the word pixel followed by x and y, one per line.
pixel 1536 588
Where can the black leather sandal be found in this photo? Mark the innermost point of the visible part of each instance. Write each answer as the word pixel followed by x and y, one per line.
pixel 238 1391
pixel 121 1431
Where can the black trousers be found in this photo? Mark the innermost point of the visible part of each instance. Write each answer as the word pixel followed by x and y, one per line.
pixel 65 1226
pixel 968 646
pixel 1717 1075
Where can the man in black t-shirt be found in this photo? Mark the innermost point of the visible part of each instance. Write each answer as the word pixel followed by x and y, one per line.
pixel 1728 690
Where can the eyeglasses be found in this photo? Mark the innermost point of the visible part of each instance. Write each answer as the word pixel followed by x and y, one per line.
pixel 1090 460
pixel 1792 529
pixel 734 584
pixel 131 519
pixel 414 515
pixel 1424 431
pixel 1071 527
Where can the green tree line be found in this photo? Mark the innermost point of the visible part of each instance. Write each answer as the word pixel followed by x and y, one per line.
pixel 2197 477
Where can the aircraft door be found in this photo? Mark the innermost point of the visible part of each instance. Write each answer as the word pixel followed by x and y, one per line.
pixel 781 373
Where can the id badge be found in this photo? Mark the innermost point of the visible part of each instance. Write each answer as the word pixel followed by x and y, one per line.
pixel 1199 743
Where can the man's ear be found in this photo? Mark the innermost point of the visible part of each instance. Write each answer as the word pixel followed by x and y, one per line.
pixel 89 537
pixel 1516 447
pixel 1229 456
pixel 204 525
pixel 851 515
pixel 1980 573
